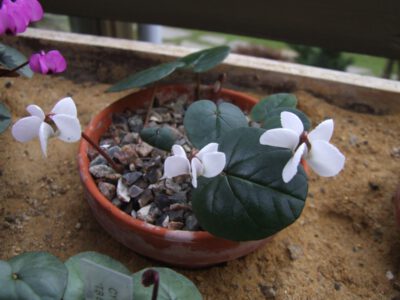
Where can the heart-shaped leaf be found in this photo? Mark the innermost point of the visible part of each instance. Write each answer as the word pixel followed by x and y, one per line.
pixel 172 286
pixel 12 58
pixel 146 77
pixel 5 117
pixel 32 276
pixel 205 122
pixel 249 201
pixel 273 118
pixel 264 106
pixel 205 60
pixel 163 138
pixel 75 288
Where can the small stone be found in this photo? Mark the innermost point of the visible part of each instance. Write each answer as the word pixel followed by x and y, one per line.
pixel 135 123
pixel 373 186
pixel 134 191
pixel 180 197
pixel 144 149
pixel 112 150
pixel 101 171
pixel 180 206
pixel 131 177
pixel 10 219
pixel 117 202
pixel 175 225
pixel 162 201
pixel 191 223
pixel 162 220
pixel 295 251
pixel 145 198
pixel 268 291
pixel 389 275
pixel 153 175
pixel 395 152
pixel 133 214
pixel 176 215
pixel 172 186
pixel 107 189
pixel 106 143
pixel 98 160
pixel 122 191
pixel 143 213
pixel 130 138
pixel 78 226
pixel 127 154
pixel 337 286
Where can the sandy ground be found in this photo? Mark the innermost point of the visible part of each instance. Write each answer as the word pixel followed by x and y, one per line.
pixel 344 246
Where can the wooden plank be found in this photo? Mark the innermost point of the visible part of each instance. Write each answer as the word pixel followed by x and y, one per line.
pixel 370 27
pixel 108 60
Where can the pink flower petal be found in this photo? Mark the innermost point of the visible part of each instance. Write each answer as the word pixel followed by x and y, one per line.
pixel 55 61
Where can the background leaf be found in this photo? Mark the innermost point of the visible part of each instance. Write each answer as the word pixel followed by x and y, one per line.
pixel 205 122
pixel 11 58
pixel 207 59
pixel 5 117
pixel 163 138
pixel 75 287
pixel 266 105
pixel 41 276
pixel 146 77
pixel 249 201
pixel 172 286
pixel 273 118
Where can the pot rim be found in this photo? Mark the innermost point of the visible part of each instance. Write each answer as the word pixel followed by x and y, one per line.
pixel 87 179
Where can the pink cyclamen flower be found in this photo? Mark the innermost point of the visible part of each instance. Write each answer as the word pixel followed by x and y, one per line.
pixel 51 62
pixel 15 15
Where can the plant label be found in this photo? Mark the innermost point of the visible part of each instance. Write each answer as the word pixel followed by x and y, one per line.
pixel 102 283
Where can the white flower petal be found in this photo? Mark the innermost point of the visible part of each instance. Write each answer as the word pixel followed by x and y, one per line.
pixel 280 137
pixel 26 128
pixel 323 131
pixel 36 111
pixel 197 170
pixel 213 163
pixel 65 106
pixel 291 121
pixel 178 151
pixel 325 159
pixel 290 169
pixel 175 166
pixel 69 127
pixel 209 148
pixel 45 132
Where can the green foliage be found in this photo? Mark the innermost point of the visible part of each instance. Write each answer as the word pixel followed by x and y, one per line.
pixel 75 288
pixel 172 286
pixel 320 57
pixel 273 118
pixel 32 276
pixel 264 106
pixel 200 61
pixel 249 201
pixel 12 58
pixel 163 138
pixel 5 117
pixel 205 122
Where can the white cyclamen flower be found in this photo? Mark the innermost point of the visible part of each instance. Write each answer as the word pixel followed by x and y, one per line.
pixel 64 116
pixel 324 158
pixel 208 162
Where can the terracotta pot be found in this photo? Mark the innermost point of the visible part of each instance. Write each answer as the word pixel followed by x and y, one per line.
pixel 397 205
pixel 175 247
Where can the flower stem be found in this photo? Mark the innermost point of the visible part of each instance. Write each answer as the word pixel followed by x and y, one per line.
pixel 117 168
pixel 151 277
pixel 153 97
pixel 6 72
pixel 218 85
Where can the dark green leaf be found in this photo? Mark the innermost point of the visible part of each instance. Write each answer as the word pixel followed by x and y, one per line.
pixel 146 77
pixel 207 59
pixel 5 117
pixel 261 109
pixel 172 286
pixel 11 58
pixel 163 138
pixel 75 288
pixel 273 118
pixel 249 201
pixel 206 122
pixel 39 276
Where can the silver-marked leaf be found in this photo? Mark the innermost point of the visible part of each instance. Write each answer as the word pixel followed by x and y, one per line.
pixel 204 60
pixel 11 58
pixel 205 122
pixel 32 276
pixel 5 117
pixel 249 201
pixel 273 118
pixel 163 138
pixel 172 286
pixel 264 106
pixel 75 288
pixel 146 77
